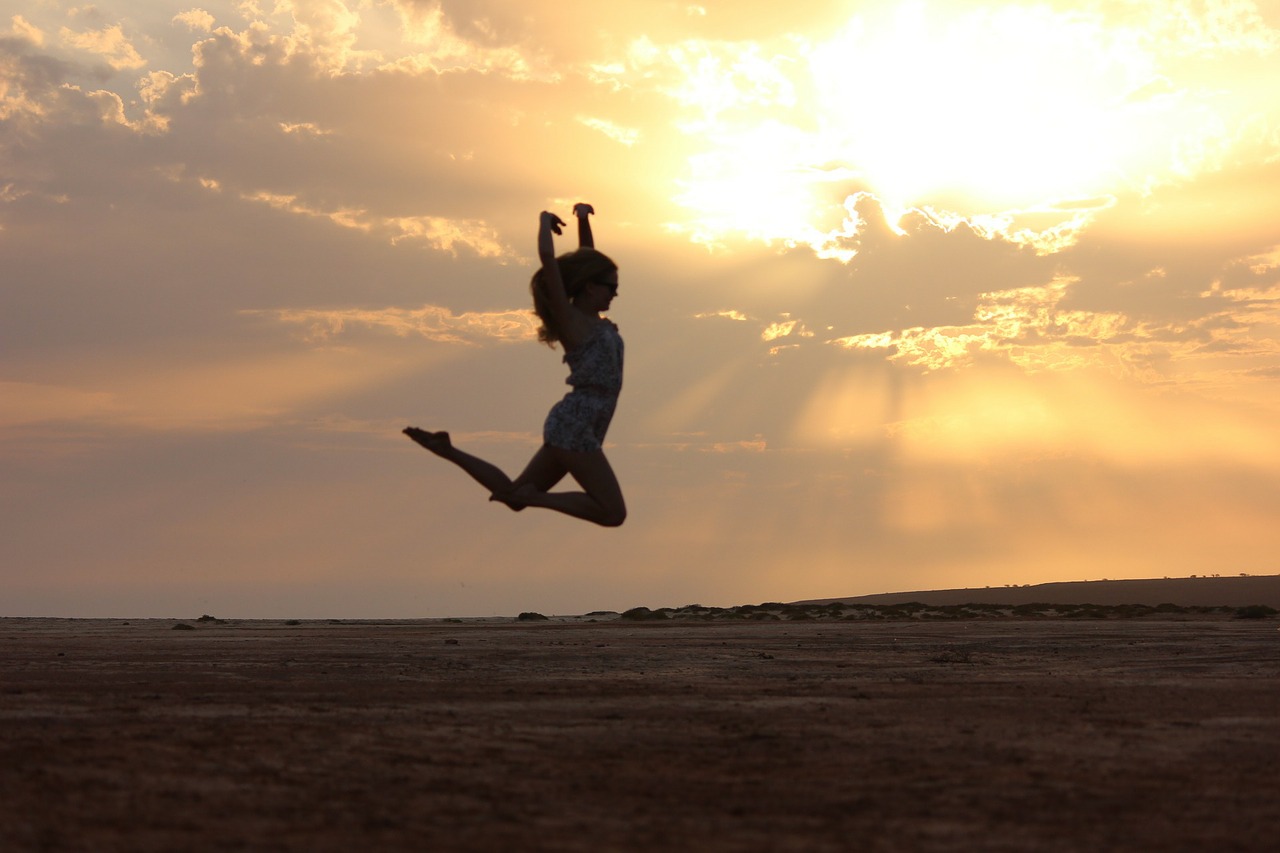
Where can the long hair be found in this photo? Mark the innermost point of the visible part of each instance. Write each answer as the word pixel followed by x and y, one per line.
pixel 577 269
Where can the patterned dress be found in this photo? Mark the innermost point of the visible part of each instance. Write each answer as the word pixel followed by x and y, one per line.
pixel 579 421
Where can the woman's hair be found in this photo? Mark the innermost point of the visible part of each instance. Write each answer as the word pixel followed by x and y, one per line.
pixel 577 269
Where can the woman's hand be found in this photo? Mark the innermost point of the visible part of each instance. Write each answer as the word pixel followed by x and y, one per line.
pixel 548 224
pixel 582 210
pixel 549 221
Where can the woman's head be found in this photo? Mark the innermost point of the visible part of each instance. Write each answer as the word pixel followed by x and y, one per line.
pixel 577 270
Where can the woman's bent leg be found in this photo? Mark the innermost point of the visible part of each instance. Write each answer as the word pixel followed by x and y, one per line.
pixel 601 499
pixel 541 475
pixel 543 471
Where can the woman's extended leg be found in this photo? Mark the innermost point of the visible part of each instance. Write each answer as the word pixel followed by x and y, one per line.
pixel 542 472
pixel 485 473
pixel 600 501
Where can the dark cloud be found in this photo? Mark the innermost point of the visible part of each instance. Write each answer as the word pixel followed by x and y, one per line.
pixel 1167 263
pixel 923 274
pixel 928 276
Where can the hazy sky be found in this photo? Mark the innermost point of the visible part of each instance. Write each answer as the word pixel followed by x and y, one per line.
pixel 915 295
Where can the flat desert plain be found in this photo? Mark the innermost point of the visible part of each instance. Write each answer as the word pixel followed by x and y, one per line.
pixel 1153 733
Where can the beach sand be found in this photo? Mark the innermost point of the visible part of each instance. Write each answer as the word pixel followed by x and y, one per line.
pixel 1153 733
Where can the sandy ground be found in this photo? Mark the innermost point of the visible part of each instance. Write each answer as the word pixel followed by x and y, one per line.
pixel 984 734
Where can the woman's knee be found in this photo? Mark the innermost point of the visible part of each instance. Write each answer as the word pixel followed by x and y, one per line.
pixel 615 512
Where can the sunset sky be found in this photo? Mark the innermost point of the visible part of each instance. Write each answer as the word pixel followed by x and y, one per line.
pixel 915 295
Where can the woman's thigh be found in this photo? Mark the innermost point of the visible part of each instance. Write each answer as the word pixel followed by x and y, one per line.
pixel 594 473
pixel 543 471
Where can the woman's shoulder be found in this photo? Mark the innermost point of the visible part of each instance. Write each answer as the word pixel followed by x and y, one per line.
pixel 577 333
pixel 599 326
pixel 608 329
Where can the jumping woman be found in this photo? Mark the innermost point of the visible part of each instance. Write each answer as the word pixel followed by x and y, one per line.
pixel 569 294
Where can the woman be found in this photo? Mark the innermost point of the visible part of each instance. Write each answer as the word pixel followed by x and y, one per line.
pixel 569 294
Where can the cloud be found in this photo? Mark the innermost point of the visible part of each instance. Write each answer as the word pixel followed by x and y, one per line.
pixel 918 273
pixel 737 316
pixel 447 235
pixel 591 32
pixel 196 19
pixel 29 80
pixel 932 294
pixel 449 44
pixel 1210 283
pixel 109 43
pixel 430 321
pixel 621 135
pixel 22 29
pixel 436 231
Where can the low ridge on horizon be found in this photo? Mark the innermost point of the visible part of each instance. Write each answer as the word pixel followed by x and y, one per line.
pixel 1196 590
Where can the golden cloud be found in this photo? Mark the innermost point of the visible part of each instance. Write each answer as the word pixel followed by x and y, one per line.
pixel 433 322
pixel 110 43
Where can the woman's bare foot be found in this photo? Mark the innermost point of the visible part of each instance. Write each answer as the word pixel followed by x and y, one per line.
pixel 437 442
pixel 514 498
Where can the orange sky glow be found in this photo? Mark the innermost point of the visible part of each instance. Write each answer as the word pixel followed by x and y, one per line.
pixel 915 295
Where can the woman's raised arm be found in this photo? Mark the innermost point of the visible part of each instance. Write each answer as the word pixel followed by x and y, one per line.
pixel 549 224
pixel 582 210
pixel 557 298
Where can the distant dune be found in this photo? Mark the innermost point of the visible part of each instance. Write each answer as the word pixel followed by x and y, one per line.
pixel 1184 592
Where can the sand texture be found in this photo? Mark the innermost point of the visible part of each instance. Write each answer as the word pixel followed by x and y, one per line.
pixel 1153 733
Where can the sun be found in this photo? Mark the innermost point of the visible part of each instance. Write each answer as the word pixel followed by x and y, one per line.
pixel 998 108
pixel 973 110
pixel 984 109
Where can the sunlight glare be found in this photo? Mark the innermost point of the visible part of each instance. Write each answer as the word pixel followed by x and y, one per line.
pixel 976 112
pixel 1005 107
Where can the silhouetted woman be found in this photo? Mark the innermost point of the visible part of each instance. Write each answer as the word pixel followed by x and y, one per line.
pixel 569 294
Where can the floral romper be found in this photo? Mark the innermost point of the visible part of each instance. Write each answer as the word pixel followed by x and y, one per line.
pixel 579 421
